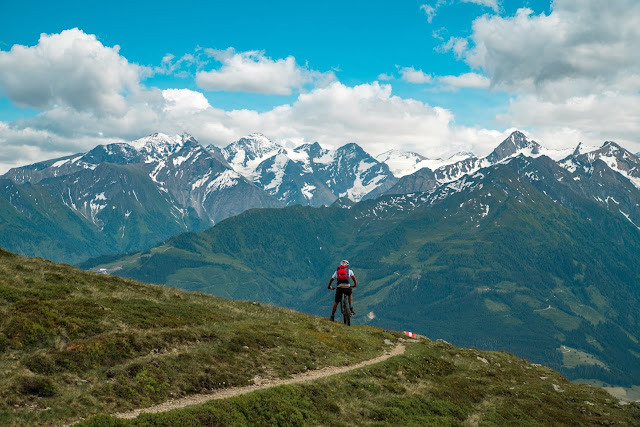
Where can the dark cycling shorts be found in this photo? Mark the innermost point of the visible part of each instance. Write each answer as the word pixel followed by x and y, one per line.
pixel 340 291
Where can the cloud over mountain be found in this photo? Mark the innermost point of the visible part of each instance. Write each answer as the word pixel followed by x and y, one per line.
pixel 571 72
pixel 71 69
pixel 88 94
pixel 580 47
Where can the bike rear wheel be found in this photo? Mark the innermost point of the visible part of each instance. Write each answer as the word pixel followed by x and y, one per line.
pixel 346 312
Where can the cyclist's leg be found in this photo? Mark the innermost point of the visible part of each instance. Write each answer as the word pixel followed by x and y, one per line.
pixel 336 301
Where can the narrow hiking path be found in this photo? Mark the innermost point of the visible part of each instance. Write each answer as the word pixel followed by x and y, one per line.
pixel 236 391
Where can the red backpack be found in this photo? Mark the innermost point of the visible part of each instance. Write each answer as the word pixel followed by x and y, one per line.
pixel 343 274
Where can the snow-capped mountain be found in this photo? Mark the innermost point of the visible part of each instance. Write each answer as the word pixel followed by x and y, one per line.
pixel 124 196
pixel 608 176
pixel 617 158
pixel 463 164
pixel 516 143
pixel 178 166
pixel 140 192
pixel 246 154
pixel 350 172
pixel 403 163
pixel 309 174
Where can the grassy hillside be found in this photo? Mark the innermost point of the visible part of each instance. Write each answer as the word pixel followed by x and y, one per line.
pixel 432 384
pixel 74 343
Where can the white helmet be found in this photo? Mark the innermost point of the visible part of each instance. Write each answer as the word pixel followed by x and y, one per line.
pixel 345 262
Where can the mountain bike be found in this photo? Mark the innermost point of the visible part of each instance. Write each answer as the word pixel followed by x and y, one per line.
pixel 344 308
pixel 346 311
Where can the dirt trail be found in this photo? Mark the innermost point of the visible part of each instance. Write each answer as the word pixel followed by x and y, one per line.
pixel 235 391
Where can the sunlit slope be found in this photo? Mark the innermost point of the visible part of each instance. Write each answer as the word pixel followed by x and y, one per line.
pixel 433 383
pixel 75 343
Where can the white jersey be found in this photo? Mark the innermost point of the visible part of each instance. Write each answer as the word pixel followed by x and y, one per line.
pixel 342 285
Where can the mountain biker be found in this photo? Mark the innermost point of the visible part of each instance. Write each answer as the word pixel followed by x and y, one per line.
pixel 342 275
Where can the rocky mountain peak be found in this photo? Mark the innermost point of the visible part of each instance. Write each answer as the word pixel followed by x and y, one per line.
pixel 515 143
pixel 157 146
pixel 187 137
pixel 351 150
pixel 612 148
pixel 578 149
pixel 253 148
pixel 311 149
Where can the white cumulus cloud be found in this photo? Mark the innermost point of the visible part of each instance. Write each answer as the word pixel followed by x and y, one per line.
pixel 411 75
pixel 252 71
pixel 184 100
pixel 580 47
pixel 71 69
pixel 333 115
pixel 573 73
pixel 591 119
pixel 466 80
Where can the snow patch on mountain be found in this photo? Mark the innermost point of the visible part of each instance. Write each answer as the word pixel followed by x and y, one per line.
pixel 158 145
pixel 612 162
pixel 279 163
pixel 226 179
pixel 326 158
pixel 200 182
pixel 60 163
pixel 246 154
pixel 298 156
pixel 307 191
pixel 626 215
pixel 358 190
pixel 455 171
pixel 401 163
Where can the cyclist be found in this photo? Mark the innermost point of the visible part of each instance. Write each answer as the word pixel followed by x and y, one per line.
pixel 342 275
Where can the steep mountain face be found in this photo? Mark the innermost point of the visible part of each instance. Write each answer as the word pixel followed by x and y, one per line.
pixel 309 174
pixel 519 255
pixel 35 223
pixel 246 154
pixel 130 195
pixel 610 175
pixel 617 158
pixel 355 174
pixel 198 181
pixel 420 181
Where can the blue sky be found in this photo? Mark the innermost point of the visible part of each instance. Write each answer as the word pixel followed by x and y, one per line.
pixel 433 76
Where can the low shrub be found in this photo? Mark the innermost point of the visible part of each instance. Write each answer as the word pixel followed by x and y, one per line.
pixel 35 385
